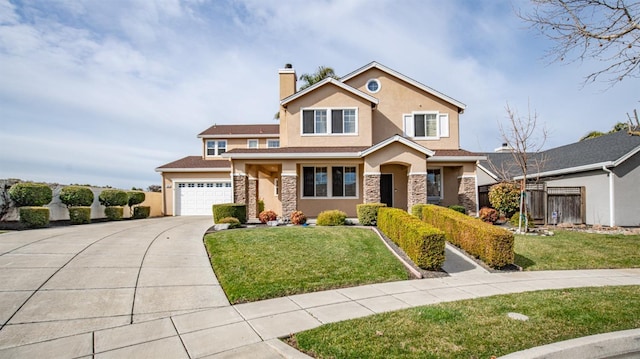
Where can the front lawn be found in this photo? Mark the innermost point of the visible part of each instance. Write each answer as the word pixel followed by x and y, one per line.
pixel 262 263
pixel 477 328
pixel 577 250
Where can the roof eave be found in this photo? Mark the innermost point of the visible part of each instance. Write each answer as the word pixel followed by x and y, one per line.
pixel 344 86
pixel 570 170
pixel 397 138
pixel 456 158
pixel 261 135
pixel 301 155
pixel 194 169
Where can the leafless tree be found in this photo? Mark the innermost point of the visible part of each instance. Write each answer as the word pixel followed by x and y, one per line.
pixel 526 139
pixel 605 30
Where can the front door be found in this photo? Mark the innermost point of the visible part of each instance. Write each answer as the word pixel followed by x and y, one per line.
pixel 386 189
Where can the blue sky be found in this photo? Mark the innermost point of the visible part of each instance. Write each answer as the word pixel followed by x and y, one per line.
pixel 103 92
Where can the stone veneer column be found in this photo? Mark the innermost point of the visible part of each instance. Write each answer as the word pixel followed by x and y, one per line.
pixel 240 188
pixel 416 190
pixel 372 188
pixel 252 198
pixel 289 194
pixel 467 194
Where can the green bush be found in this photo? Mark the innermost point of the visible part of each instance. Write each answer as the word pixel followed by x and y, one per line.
pixel 488 215
pixel 333 217
pixel 233 222
pixel 458 208
pixel 516 218
pixel 416 210
pixel 114 213
pixel 236 210
pixel 423 243
pixel 141 212
pixel 80 215
pixel 76 196
pixel 260 205
pixel 29 194
pixel 493 245
pixel 368 213
pixel 34 217
pixel 135 197
pixel 268 215
pixel 297 217
pixel 113 198
pixel 505 197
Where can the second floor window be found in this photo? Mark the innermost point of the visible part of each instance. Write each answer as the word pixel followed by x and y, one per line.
pixel 426 125
pixel 216 147
pixel 325 121
pixel 273 143
pixel 252 143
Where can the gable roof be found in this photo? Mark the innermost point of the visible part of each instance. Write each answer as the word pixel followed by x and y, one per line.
pixel 608 150
pixel 195 163
pixel 400 139
pixel 324 82
pixel 461 106
pixel 230 131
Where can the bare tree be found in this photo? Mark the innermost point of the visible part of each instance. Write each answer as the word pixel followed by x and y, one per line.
pixel 527 140
pixel 605 30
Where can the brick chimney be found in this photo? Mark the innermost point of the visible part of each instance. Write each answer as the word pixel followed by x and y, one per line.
pixel 287 81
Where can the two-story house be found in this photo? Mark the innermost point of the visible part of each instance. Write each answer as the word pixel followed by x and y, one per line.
pixel 375 135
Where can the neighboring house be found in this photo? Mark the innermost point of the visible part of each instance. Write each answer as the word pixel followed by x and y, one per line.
pixel 374 135
pixel 606 169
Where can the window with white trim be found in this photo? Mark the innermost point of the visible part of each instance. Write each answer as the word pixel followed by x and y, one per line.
pixel 335 181
pixel 216 147
pixel 426 125
pixel 273 143
pixel 329 121
pixel 252 143
pixel 434 183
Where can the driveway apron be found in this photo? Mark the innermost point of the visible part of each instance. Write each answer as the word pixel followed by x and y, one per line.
pixel 62 281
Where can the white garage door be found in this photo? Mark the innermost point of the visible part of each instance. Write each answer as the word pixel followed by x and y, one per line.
pixel 196 198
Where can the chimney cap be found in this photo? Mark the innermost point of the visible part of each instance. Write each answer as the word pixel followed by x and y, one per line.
pixel 288 66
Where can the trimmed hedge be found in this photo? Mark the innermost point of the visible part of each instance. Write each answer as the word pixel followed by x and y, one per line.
pixel 233 222
pixel 76 196
pixel 491 244
pixel 113 198
pixel 416 210
pixel 423 243
pixel 80 214
pixel 135 197
pixel 114 213
pixel 28 194
pixel 141 212
pixel 458 208
pixel 368 213
pixel 34 217
pixel 236 210
pixel 332 217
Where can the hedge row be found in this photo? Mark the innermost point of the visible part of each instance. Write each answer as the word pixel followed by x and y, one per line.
pixel 491 244
pixel 368 213
pixel 34 217
pixel 235 210
pixel 423 243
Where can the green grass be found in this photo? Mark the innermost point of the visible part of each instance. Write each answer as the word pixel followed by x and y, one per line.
pixel 262 263
pixel 477 328
pixel 576 250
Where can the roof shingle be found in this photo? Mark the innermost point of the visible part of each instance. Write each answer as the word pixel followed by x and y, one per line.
pixel 196 162
pixel 260 129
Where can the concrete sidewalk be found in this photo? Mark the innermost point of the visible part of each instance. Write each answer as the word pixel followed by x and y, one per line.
pixel 145 289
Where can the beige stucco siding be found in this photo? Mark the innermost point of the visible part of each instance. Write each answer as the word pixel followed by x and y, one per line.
pixel 397 98
pixel 168 179
pixel 396 153
pixel 327 97
pixel 267 193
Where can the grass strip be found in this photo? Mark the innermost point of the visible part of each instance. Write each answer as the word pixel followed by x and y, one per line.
pixel 478 328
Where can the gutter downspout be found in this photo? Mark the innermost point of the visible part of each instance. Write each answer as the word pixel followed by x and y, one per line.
pixel 611 196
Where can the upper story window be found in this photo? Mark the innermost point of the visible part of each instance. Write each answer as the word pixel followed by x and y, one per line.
pixel 426 125
pixel 252 143
pixel 329 121
pixel 373 85
pixel 216 147
pixel 273 143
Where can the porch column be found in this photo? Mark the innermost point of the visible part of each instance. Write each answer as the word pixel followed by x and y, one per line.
pixel 372 188
pixel 239 188
pixel 252 200
pixel 467 194
pixel 416 189
pixel 289 194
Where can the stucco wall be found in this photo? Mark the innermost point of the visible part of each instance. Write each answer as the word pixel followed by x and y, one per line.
pixel 627 192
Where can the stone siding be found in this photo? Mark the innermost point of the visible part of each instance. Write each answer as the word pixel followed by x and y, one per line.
pixel 252 204
pixel 289 195
pixel 240 189
pixel 372 188
pixel 467 194
pixel 416 190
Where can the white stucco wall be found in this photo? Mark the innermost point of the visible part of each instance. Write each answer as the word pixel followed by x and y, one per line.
pixel 627 192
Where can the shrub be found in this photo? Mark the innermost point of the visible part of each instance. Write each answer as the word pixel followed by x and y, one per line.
pixel 114 213
pixel 260 205
pixel 368 213
pixel 416 210
pixel 236 210
pixel 297 217
pixel 493 245
pixel 232 221
pixel 505 197
pixel 113 197
pixel 423 243
pixel 76 196
pixel 80 215
pixel 28 194
pixel 34 217
pixel 333 217
pixel 488 215
pixel 458 208
pixel 135 197
pixel 141 212
pixel 516 218
pixel 268 215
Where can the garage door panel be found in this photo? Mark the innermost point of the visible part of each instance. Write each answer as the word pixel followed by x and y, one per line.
pixel 197 198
